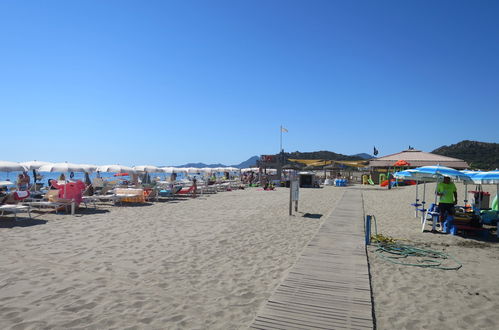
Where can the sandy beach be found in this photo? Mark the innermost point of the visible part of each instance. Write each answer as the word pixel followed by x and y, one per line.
pixel 204 263
pixel 212 262
pixel 420 298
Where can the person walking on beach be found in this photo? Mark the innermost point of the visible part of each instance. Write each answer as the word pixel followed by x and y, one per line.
pixel 448 198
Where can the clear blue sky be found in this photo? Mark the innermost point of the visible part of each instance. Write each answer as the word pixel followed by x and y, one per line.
pixel 171 82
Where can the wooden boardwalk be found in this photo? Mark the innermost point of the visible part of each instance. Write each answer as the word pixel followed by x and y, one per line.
pixel 328 287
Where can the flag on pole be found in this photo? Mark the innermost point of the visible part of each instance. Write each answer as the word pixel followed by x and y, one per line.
pixel 284 129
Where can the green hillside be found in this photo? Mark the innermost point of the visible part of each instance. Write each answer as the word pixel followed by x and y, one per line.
pixel 480 155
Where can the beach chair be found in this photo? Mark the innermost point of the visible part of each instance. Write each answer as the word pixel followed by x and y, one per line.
pixel 51 200
pixel 151 195
pixel 10 204
pixel 187 191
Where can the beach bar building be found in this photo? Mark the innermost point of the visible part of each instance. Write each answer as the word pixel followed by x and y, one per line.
pixel 415 158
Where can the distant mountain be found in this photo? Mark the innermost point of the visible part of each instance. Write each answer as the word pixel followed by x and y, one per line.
pixel 480 155
pixel 363 156
pixel 201 165
pixel 248 163
pixel 326 155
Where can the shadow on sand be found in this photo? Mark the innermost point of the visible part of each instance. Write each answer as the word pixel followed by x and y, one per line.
pixel 20 222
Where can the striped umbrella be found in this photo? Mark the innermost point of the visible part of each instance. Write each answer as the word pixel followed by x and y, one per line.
pixel 438 171
pixel 491 177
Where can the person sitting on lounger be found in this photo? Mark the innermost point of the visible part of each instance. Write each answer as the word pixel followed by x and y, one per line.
pixel 23 181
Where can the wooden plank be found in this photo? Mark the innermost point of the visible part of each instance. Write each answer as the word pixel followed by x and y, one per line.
pixel 328 287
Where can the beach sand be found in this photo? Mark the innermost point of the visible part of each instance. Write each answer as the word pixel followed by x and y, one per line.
pixel 204 263
pixel 420 298
pixel 212 262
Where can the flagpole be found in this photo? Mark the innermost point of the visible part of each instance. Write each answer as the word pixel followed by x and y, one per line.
pixel 281 140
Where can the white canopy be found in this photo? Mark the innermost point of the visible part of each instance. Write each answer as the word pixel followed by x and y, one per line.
pixel 6 166
pixel 148 169
pixel 62 167
pixel 34 164
pixel 115 169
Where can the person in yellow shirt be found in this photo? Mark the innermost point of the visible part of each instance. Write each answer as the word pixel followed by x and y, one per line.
pixel 448 197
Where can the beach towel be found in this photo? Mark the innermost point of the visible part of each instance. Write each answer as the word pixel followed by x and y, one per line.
pixel 20 195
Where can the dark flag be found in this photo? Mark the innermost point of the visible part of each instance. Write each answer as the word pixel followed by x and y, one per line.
pixel 375 152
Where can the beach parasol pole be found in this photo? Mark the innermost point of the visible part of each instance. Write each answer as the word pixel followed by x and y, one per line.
pixel 423 210
pixel 416 204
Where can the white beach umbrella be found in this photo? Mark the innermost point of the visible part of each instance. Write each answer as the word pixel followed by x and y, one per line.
pixel 62 167
pixel 34 164
pixel 193 170
pixel 89 168
pixel 115 169
pixel 148 169
pixel 6 166
pixel 7 183
pixel 168 169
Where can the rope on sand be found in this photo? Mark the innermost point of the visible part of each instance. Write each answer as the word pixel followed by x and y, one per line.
pixel 396 253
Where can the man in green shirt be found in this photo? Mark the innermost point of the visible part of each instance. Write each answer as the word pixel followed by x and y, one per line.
pixel 448 197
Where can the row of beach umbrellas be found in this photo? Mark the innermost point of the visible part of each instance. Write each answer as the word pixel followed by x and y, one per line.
pixel 7 166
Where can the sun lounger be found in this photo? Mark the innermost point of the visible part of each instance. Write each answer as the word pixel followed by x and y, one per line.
pixel 11 203
pixel 15 208
pixel 187 191
pixel 129 195
pixel 52 201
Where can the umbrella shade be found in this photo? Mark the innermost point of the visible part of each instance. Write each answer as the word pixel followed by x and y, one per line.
pixel 193 170
pixel 7 183
pixel 89 168
pixel 34 164
pixel 147 168
pixel 250 169
pixel 62 167
pixel 115 169
pixel 437 171
pixel 401 163
pixel 491 177
pixel 406 175
pixel 231 169
pixel 6 166
pixel 167 169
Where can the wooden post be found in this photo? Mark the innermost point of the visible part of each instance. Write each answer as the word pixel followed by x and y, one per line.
pixel 368 229
pixel 293 195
